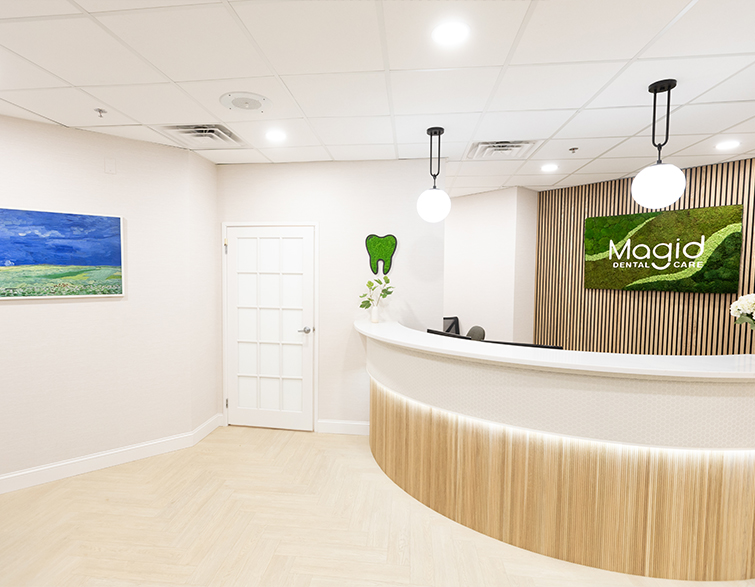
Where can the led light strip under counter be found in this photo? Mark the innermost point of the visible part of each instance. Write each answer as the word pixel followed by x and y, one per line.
pixel 630 463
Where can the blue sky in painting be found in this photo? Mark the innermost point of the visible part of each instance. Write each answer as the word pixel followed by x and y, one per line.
pixel 49 238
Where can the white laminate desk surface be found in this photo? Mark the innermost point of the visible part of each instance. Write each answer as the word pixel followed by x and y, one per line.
pixel 736 367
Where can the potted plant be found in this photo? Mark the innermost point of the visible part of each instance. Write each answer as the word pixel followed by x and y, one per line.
pixel 377 290
pixel 744 310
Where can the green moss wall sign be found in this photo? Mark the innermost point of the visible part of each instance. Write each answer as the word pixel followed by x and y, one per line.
pixel 695 250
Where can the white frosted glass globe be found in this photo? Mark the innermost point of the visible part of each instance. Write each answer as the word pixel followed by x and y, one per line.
pixel 658 186
pixel 433 205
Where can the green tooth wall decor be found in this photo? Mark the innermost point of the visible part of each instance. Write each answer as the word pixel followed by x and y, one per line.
pixel 381 248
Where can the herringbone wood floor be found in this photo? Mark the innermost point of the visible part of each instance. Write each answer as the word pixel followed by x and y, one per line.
pixel 255 507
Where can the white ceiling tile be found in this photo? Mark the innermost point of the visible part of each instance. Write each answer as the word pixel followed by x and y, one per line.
pixel 296 154
pixel 746 126
pixel 708 145
pixel 480 168
pixel 453 151
pixel 694 76
pixel 566 85
pixel 641 146
pixel 590 30
pixel 233 156
pixel 374 130
pixel 452 168
pixel 298 133
pixel 710 27
pixel 710 118
pixel 67 106
pixel 461 192
pixel 683 162
pixel 135 132
pixel 586 148
pixel 622 166
pixel 191 43
pixel 23 8
pixel 587 178
pixel 450 90
pixel 8 109
pixel 315 37
pixel 409 26
pixel 482 181
pixel 362 152
pixel 565 166
pixel 19 74
pixel 77 50
pixel 610 122
pixel 152 103
pixel 107 5
pixel 738 157
pixel 340 94
pixel 208 93
pixel 543 179
pixel 739 87
pixel 459 128
pixel 521 126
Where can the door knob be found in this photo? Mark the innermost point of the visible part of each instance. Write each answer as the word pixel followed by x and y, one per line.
pixel 306 330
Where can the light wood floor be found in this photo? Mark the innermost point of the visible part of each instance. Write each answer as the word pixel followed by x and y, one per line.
pixel 250 507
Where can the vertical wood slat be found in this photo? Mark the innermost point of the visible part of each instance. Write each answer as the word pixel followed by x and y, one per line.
pixel 666 513
pixel 644 322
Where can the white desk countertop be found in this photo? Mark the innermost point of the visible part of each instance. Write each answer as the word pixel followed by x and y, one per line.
pixel 732 367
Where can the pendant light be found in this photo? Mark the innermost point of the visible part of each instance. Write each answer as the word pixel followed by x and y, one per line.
pixel 662 184
pixel 434 205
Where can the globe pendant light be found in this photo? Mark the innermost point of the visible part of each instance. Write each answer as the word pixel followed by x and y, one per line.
pixel 433 205
pixel 662 184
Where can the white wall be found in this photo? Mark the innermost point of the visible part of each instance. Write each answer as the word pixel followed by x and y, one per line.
pixel 84 376
pixel 349 200
pixel 489 271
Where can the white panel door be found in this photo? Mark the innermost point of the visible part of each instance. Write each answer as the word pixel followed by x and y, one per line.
pixel 269 340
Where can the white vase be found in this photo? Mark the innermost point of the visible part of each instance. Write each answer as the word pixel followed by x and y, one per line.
pixel 374 314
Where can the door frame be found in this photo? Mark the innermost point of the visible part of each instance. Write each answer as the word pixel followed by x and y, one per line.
pixel 316 309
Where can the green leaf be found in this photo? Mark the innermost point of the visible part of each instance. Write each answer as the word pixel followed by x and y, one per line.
pixel 365 304
pixel 387 280
pixel 370 285
pixel 378 281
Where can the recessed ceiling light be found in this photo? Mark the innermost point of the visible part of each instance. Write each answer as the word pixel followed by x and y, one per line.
pixel 275 135
pixel 727 145
pixel 549 167
pixel 450 34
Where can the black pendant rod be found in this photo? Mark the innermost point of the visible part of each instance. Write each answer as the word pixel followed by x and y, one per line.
pixel 434 131
pixel 664 85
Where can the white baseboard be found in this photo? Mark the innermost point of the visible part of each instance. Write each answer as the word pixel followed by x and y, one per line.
pixel 117 456
pixel 343 427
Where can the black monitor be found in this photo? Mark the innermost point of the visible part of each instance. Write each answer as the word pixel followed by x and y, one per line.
pixel 450 334
pixel 537 346
pixel 451 324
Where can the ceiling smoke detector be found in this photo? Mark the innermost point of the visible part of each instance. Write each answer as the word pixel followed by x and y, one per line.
pixel 493 150
pixel 245 102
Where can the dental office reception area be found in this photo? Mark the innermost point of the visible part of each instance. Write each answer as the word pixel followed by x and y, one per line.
pixel 364 293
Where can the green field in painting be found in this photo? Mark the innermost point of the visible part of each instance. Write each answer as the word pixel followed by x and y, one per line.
pixel 59 280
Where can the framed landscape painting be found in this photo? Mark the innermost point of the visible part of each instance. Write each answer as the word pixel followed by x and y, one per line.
pixel 48 254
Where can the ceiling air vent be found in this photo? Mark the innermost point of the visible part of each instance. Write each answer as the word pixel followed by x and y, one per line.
pixel 494 150
pixel 204 136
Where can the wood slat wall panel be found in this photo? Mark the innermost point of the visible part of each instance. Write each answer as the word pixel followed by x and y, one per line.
pixel 666 513
pixel 645 322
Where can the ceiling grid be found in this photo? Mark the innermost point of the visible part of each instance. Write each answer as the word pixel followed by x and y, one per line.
pixel 363 79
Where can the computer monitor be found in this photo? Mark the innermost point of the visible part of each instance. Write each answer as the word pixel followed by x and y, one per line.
pixel 451 324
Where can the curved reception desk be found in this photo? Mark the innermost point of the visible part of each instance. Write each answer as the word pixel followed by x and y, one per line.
pixel 632 463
